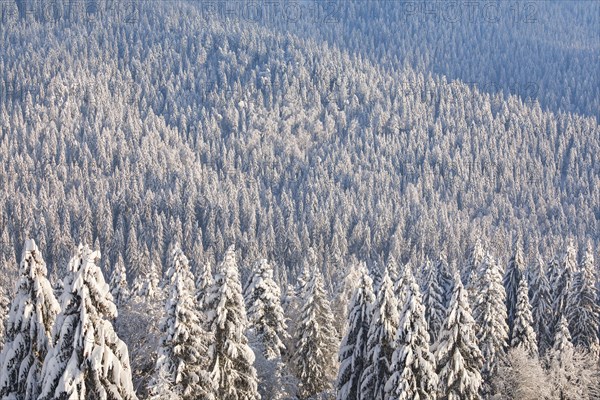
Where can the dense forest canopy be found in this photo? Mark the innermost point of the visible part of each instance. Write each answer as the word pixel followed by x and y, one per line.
pixel 181 124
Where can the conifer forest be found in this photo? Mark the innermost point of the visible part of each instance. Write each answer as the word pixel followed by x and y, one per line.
pixel 299 200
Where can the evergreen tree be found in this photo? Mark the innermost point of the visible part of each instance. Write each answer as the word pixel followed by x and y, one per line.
pixel 523 334
pixel 352 356
pixel 512 278
pixel 561 282
pixel 476 257
pixel 182 357
pixel 475 271
pixel 541 306
pixel 29 328
pixel 413 373
pixel 433 298
pixel 397 278
pixel 446 275
pixel 204 281
pixel 267 331
pixel 380 342
pixel 232 359
pixel 490 315
pixel 584 310
pixel 265 314
pixel 316 340
pixel 88 360
pixel 459 360
pixel 118 283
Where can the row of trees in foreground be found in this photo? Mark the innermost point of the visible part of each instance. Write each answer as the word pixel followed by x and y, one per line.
pixel 427 333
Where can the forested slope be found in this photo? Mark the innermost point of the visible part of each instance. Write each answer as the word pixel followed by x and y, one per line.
pixel 179 126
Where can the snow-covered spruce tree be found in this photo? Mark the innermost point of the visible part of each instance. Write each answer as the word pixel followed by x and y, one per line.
pixel 380 342
pixel 561 282
pixel 394 270
pixel 232 359
pixel 28 329
pixel 523 334
pixel 88 360
pixel 472 286
pixel 433 298
pixel 265 315
pixel 292 304
pixel 413 373
pixel 118 283
pixel 541 305
pixel 182 352
pixel 400 288
pixel 344 291
pixel 352 355
pixel 422 276
pixel 446 276
pixel 490 315
pixel 204 280
pixel 474 270
pixel 267 331
pixel 583 312
pixel 512 277
pixel 459 360
pixel 315 360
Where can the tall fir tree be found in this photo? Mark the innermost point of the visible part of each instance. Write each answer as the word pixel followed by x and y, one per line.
pixel 267 331
pixel 523 334
pixel 541 305
pixel 265 313
pixel 204 281
pixel 433 298
pixel 413 371
pixel 182 365
pixel 315 360
pixel 88 359
pixel 561 282
pixel 29 327
pixel 583 312
pixel 512 277
pixel 490 315
pixel 232 359
pixel 475 270
pixel 352 355
pixel 446 277
pixel 380 342
pixel 400 289
pixel 458 358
